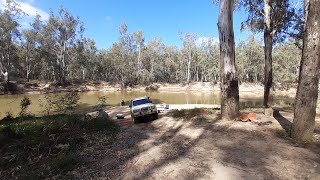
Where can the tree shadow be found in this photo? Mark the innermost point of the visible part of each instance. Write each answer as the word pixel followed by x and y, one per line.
pixel 285 123
pixel 199 147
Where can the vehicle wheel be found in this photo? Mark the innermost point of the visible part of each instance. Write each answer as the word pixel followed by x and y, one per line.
pixel 135 120
pixel 155 116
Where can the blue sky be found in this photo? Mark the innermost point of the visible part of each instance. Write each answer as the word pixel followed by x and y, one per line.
pixel 163 19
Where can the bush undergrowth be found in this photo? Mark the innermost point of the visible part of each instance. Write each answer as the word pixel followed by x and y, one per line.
pixel 40 147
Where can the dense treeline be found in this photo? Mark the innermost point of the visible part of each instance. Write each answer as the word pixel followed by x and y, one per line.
pixel 56 50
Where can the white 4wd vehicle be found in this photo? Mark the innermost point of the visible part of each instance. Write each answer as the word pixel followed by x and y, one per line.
pixel 141 108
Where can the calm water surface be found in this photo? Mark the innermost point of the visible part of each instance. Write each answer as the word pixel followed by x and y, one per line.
pixel 10 103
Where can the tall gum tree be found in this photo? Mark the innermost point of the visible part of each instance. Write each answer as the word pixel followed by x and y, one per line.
pixel 267 52
pixel 229 78
pixel 273 18
pixel 9 34
pixel 307 93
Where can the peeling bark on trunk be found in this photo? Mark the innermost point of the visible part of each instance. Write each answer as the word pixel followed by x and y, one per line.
pixel 188 71
pixel 267 52
pixel 229 78
pixel 28 64
pixel 63 71
pixel 83 74
pixel 307 93
pixel 139 64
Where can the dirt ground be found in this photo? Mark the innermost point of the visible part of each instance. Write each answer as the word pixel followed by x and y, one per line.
pixel 203 147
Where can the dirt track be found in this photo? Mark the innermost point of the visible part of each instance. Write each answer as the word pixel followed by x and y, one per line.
pixel 202 148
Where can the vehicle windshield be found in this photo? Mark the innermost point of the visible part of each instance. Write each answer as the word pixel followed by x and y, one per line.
pixel 140 101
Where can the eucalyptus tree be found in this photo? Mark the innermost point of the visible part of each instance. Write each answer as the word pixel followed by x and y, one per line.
pixel 307 93
pixel 63 30
pixel 208 60
pixel 127 49
pixel 229 77
pixel 105 60
pixel 83 64
pixel 189 51
pixel 9 35
pixel 139 38
pixel 154 60
pixel 287 58
pixel 274 18
pixel 47 52
pixel 30 45
pixel 250 60
pixel 172 64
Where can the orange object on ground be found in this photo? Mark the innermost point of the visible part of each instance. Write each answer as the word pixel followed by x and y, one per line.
pixel 252 116
pixel 244 117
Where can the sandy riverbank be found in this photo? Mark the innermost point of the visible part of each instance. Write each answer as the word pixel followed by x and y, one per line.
pixel 254 90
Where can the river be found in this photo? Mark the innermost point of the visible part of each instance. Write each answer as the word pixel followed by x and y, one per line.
pixel 11 103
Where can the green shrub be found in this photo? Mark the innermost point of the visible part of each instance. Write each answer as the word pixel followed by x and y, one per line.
pixel 102 101
pixel 62 103
pixel 39 140
pixel 24 104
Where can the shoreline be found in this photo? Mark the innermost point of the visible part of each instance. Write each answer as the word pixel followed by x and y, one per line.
pixel 251 89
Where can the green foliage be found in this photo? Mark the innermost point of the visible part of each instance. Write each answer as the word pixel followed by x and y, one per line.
pixel 24 104
pixel 102 101
pixel 281 16
pixel 286 63
pixel 56 50
pixel 250 60
pixel 39 143
pixel 61 102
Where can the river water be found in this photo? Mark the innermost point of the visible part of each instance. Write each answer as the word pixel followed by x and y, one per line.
pixel 11 103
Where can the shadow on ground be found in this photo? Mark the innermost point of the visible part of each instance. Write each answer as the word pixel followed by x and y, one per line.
pixel 202 147
pixel 284 122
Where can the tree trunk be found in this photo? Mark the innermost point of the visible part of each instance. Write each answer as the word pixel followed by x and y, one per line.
pixel 63 71
pixel 28 71
pixel 139 66
pixel 2 70
pixel 188 71
pixel 83 74
pixel 307 93
pixel 28 74
pixel 267 52
pixel 229 78
pixel 152 68
pixel 197 74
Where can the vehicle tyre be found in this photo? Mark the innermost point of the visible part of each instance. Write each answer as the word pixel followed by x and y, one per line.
pixel 155 116
pixel 135 120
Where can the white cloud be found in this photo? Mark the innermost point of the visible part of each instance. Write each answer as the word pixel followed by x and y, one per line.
pixel 33 11
pixel 28 8
pixel 206 40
